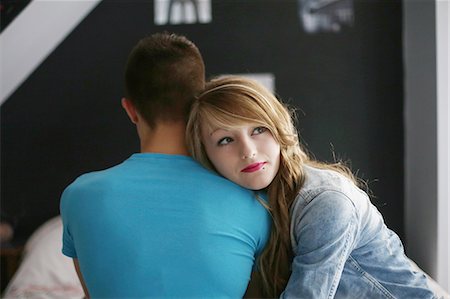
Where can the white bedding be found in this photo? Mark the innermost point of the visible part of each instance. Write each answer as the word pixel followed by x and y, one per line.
pixel 44 272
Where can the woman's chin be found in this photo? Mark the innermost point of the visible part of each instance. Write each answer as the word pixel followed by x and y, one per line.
pixel 256 186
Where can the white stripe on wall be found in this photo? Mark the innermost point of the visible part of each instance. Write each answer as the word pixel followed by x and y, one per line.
pixel 33 35
pixel 443 138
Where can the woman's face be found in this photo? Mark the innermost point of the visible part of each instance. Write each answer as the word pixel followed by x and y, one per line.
pixel 248 156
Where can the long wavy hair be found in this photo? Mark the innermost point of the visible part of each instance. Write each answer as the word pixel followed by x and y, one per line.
pixel 229 102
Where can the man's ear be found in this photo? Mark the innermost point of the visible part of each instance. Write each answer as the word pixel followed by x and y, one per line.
pixel 131 110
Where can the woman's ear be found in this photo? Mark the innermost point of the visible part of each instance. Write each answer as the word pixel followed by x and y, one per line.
pixel 131 110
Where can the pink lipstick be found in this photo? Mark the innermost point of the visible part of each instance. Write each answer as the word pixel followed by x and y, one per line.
pixel 253 167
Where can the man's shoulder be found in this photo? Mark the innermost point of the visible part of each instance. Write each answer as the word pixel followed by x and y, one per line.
pixel 93 178
pixel 89 178
pixel 210 180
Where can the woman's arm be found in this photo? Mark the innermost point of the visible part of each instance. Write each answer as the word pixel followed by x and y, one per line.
pixel 325 232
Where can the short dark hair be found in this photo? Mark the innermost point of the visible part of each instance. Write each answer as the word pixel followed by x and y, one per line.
pixel 163 74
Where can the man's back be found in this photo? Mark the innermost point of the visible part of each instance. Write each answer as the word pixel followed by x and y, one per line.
pixel 162 226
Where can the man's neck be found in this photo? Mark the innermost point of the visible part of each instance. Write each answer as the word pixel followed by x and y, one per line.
pixel 165 138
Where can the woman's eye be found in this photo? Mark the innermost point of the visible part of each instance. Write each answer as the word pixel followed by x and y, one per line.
pixel 259 130
pixel 224 141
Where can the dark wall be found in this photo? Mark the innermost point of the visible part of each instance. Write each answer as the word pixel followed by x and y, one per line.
pixel 66 119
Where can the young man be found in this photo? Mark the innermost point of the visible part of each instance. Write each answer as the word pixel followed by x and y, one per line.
pixel 158 224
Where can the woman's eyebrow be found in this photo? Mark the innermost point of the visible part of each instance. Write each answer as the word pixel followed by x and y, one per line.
pixel 215 131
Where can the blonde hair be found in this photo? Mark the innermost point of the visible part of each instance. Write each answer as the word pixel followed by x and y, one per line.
pixel 230 102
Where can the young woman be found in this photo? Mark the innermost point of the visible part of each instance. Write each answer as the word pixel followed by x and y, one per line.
pixel 327 240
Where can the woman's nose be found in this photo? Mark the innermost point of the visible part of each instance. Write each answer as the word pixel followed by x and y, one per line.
pixel 248 150
pixel 249 155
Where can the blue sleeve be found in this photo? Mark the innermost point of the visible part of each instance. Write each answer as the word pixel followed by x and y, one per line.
pixel 68 247
pixel 264 225
pixel 325 232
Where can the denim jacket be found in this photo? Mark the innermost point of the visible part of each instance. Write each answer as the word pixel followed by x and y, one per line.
pixel 343 249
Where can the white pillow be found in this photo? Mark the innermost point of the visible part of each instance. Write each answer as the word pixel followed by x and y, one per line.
pixel 44 272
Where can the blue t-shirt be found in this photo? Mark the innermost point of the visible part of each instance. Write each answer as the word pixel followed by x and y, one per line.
pixel 162 226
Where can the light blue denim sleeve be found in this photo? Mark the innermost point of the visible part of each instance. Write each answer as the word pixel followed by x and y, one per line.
pixel 325 231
